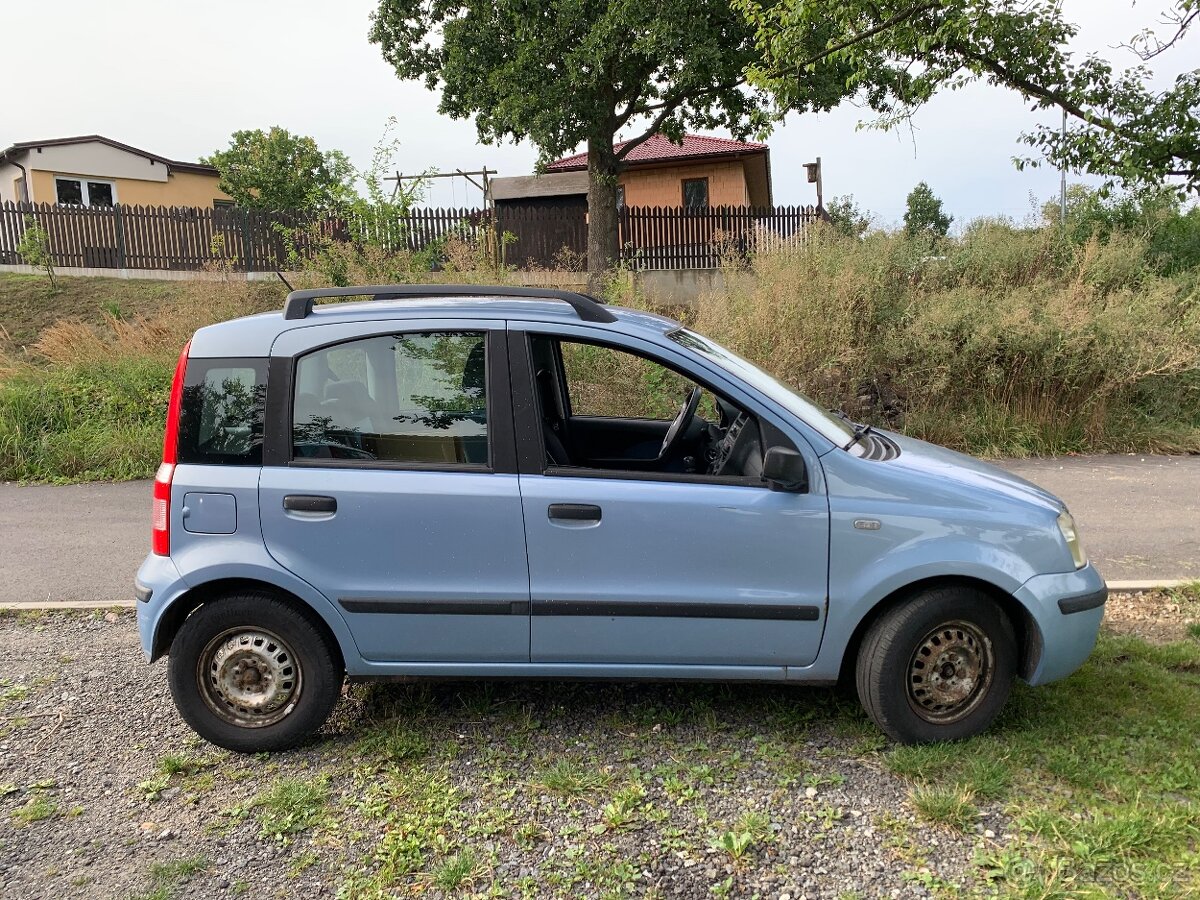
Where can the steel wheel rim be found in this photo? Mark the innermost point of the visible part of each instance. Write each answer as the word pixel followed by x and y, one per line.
pixel 249 677
pixel 950 672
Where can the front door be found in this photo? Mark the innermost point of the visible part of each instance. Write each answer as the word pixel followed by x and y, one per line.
pixel 393 503
pixel 657 566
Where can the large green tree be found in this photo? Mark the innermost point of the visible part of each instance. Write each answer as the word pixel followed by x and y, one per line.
pixel 895 54
pixel 279 170
pixel 566 72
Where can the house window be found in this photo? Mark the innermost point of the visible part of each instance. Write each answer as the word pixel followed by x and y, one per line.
pixel 84 192
pixel 695 193
pixel 620 196
pixel 222 204
pixel 19 189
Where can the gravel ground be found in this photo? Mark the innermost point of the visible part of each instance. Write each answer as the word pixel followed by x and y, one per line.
pixel 654 774
pixel 1154 616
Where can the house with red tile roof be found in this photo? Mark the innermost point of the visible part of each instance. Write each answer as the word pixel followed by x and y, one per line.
pixel 701 171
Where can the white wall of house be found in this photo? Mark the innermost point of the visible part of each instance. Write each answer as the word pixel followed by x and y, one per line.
pixel 8 176
pixel 95 159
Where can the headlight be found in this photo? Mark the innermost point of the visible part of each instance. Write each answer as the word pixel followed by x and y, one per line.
pixel 1070 534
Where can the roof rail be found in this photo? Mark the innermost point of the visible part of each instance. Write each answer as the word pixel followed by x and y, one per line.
pixel 300 303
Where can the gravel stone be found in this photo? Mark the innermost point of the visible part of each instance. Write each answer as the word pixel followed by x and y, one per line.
pixel 96 747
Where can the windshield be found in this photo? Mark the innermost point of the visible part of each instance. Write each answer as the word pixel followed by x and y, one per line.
pixel 837 430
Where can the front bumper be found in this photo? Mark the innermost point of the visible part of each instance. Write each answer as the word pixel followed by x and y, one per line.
pixel 1067 609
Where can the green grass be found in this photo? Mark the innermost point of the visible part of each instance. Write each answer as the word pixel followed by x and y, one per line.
pixel 1185 593
pixel 85 422
pixel 292 805
pixel 571 778
pixel 1093 784
pixel 38 808
pixel 945 804
pixel 28 307
pixel 452 872
pixel 1100 774
pixel 167 877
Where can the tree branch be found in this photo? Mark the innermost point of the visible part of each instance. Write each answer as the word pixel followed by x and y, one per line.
pixel 1147 45
pixel 1059 99
pixel 895 20
pixel 667 107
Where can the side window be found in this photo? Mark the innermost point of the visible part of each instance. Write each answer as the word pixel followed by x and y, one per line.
pixel 603 381
pixel 221 416
pixel 405 398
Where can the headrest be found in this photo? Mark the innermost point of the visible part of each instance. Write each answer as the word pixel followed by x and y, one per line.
pixel 349 393
pixel 474 371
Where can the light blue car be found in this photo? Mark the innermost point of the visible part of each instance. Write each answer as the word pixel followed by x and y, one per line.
pixel 486 482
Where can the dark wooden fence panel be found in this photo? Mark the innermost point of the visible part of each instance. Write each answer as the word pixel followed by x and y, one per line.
pixel 540 238
pixel 528 236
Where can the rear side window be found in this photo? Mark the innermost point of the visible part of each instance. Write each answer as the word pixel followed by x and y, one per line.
pixel 221 418
pixel 413 399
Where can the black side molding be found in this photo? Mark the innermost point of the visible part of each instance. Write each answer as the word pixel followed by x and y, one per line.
pixel 678 610
pixel 1082 602
pixel 435 607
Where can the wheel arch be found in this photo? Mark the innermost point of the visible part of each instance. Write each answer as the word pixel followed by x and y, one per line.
pixel 1029 636
pixel 189 601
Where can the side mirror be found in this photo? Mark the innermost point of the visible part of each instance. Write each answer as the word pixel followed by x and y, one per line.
pixel 783 470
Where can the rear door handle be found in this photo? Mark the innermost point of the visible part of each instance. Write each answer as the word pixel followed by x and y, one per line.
pixel 309 503
pixel 574 512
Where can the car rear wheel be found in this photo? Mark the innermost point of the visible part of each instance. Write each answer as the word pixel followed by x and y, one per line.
pixel 250 673
pixel 939 667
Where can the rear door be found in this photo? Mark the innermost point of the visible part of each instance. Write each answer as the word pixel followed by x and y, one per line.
pixel 395 491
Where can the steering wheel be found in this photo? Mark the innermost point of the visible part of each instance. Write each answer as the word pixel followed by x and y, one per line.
pixel 679 427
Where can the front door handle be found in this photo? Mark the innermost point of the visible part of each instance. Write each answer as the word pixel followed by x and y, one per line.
pixel 310 503
pixel 574 512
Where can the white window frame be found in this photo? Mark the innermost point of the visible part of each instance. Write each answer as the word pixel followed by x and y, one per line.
pixel 83 188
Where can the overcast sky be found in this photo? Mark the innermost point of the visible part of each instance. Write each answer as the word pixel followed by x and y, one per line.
pixel 178 78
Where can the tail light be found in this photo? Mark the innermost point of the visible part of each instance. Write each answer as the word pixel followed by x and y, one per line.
pixel 160 517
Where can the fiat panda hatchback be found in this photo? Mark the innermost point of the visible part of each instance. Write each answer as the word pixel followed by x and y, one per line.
pixel 483 482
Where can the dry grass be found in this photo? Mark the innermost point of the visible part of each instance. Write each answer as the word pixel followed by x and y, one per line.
pixel 1009 343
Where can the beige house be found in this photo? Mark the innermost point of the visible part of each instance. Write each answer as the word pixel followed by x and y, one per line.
pixel 95 171
pixel 699 172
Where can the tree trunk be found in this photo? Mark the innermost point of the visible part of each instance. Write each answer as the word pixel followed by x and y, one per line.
pixel 602 210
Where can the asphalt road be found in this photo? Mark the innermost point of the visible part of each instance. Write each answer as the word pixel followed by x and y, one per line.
pixel 1139 516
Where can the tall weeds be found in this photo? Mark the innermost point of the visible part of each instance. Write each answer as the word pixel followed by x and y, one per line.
pixel 89 401
pixel 1011 341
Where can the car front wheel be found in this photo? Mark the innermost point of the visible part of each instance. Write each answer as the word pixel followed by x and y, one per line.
pixel 938 667
pixel 250 673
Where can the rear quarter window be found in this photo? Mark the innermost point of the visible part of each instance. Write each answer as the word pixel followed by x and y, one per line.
pixel 221 418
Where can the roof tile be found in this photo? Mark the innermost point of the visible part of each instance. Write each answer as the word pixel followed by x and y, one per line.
pixel 658 149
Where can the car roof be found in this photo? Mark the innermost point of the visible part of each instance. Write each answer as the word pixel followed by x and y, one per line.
pixel 252 336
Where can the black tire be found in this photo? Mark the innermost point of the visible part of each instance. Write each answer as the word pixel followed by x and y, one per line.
pixel 938 667
pixel 250 673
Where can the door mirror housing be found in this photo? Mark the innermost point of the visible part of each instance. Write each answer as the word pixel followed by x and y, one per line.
pixel 784 470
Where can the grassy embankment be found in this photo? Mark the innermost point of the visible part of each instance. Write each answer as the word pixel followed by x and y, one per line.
pixel 1011 342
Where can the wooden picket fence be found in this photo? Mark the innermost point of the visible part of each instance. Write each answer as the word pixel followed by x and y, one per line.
pixel 665 238
pixel 247 240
